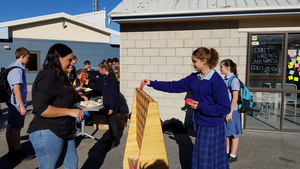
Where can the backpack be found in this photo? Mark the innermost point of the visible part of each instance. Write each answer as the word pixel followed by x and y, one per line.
pixel 245 101
pixel 5 91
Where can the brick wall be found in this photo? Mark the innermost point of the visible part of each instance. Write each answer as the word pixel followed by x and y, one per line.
pixel 162 51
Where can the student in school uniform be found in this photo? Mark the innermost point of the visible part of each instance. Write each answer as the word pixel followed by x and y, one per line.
pixel 77 84
pixel 87 65
pixel 70 74
pixel 17 105
pixel 211 104
pixel 232 122
pixel 111 98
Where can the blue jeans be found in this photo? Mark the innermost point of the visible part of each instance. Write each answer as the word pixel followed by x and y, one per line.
pixel 51 150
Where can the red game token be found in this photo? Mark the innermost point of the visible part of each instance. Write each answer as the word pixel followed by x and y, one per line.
pixel 142 85
pixel 190 101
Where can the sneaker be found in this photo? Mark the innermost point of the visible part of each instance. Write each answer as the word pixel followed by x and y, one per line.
pixel 231 159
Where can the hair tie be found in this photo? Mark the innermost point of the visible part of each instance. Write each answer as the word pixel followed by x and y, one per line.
pixel 209 50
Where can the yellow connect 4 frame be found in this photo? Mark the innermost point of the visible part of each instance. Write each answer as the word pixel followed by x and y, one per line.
pixel 145 140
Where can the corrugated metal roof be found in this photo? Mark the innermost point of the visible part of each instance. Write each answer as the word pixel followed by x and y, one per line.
pixel 97 17
pixel 148 8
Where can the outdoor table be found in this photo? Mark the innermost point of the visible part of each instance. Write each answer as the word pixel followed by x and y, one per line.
pixel 96 108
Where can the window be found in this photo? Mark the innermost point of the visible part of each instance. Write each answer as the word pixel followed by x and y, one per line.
pixel 33 66
pixel 273 77
pixel 266 60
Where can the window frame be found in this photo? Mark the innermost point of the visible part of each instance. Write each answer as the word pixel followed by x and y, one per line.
pixel 38 54
pixel 281 90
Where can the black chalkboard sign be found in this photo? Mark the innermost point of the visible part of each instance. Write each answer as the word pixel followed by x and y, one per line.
pixel 266 56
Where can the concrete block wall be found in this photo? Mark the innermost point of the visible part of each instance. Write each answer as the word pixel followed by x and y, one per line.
pixel 162 51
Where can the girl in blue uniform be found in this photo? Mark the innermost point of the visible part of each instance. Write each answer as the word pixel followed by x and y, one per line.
pixel 211 104
pixel 233 119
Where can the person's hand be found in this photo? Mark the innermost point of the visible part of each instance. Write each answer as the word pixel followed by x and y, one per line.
pixel 85 98
pixel 23 110
pixel 228 117
pixel 147 82
pixel 77 113
pixel 194 105
pixel 110 112
pixel 78 88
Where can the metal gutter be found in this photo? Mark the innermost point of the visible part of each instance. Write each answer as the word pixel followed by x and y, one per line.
pixel 193 16
pixel 205 13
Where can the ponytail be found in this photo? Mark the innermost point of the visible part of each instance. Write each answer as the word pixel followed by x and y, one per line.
pixel 211 55
pixel 105 64
pixel 231 64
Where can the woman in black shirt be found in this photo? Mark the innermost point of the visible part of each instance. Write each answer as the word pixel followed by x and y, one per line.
pixel 111 98
pixel 52 130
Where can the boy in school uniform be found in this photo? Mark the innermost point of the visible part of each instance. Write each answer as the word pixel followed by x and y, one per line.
pixel 77 84
pixel 87 65
pixel 74 61
pixel 116 64
pixel 17 105
pixel 70 74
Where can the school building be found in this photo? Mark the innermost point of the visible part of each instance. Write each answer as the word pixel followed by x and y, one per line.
pixel 262 37
pixel 85 34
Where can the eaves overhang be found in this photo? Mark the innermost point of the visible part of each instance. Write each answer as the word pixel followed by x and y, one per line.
pixel 207 13
pixel 61 15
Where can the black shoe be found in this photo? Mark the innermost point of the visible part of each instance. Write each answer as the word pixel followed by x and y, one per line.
pixel 10 155
pixel 231 159
pixel 115 144
pixel 22 156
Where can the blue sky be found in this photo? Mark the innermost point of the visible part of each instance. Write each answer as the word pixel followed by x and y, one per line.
pixel 20 9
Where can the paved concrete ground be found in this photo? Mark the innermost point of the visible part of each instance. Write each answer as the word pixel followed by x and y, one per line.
pixel 257 149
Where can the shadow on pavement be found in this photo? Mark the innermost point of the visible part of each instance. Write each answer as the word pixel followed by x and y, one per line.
pixel 97 153
pixel 185 146
pixel 26 147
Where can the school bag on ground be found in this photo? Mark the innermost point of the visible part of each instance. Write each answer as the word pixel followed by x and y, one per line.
pixel 245 101
pixel 5 91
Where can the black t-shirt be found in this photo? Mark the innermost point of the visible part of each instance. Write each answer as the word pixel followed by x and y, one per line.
pixel 48 90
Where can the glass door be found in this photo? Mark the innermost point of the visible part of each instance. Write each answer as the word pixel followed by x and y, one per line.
pixel 273 77
pixel 291 112
pixel 265 72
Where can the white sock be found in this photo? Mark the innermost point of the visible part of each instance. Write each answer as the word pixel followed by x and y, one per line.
pixel 227 152
pixel 233 156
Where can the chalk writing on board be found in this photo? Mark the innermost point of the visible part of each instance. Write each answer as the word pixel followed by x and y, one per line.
pixel 265 60
pixel 265 68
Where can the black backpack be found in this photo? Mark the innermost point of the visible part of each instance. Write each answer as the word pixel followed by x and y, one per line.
pixel 5 91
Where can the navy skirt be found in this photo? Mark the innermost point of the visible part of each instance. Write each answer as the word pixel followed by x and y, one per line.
pixel 210 148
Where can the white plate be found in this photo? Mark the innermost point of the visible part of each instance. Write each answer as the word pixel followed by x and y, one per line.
pixel 88 89
pixel 91 106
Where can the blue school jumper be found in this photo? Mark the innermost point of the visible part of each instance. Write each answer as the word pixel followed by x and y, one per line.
pixel 212 95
